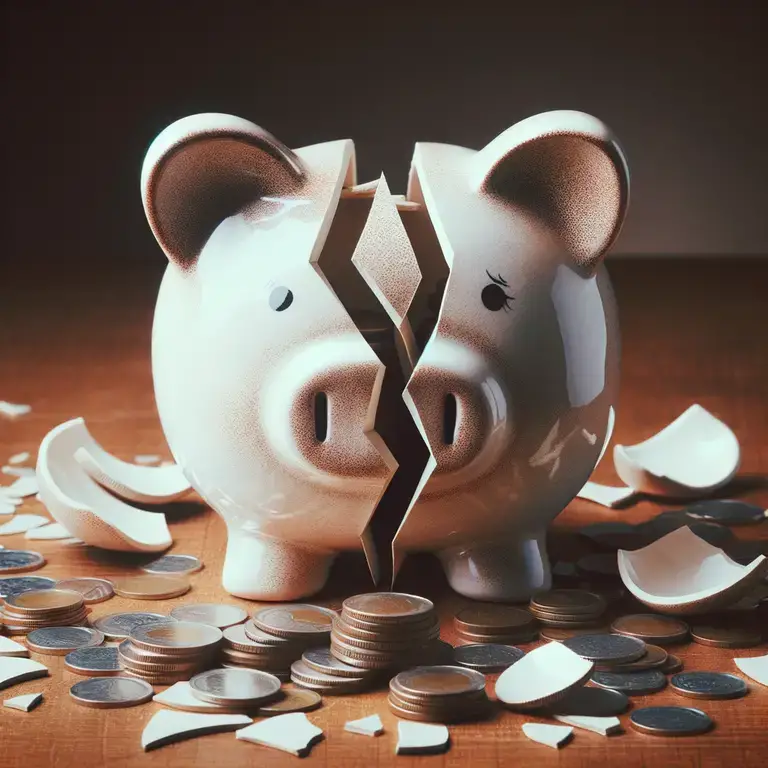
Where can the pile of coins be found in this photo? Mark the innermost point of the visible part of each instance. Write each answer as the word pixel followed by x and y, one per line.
pixel 568 608
pixel 320 671
pixel 500 624
pixel 24 612
pixel 167 653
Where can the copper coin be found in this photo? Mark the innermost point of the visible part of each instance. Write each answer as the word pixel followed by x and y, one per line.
pixel 235 637
pixel 655 657
pixel 92 590
pixel 391 629
pixel 725 635
pixel 493 620
pixel 151 587
pixel 387 607
pixel 558 634
pixel 297 620
pixel 671 665
pixel 387 646
pixel 408 632
pixel 44 601
pixel 428 716
pixel 177 637
pixel 215 614
pixel 651 627
pixel 427 682
pixel 264 638
pixel 160 666
pixel 292 700
pixel 568 602
pixel 499 639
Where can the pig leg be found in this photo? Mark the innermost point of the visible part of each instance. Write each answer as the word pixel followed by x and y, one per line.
pixel 260 568
pixel 503 572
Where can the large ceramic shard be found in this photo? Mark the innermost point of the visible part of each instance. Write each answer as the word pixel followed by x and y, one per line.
pixel 168 726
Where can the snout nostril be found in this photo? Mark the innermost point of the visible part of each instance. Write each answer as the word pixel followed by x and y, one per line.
pixel 449 419
pixel 321 416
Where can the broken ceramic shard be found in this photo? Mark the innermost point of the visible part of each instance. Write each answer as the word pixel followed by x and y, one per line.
pixel 19 471
pixel 605 726
pixel 696 454
pixel 8 506
pixel 365 726
pixel 607 495
pixel 16 670
pixel 83 507
pixel 167 726
pixel 681 573
pixel 147 459
pixel 12 410
pixel 10 647
pixel 180 696
pixel 22 523
pixel 550 735
pixel 19 458
pixel 292 733
pixel 25 703
pixel 420 738
pixel 542 676
pixel 755 667
pixel 24 486
pixel 51 532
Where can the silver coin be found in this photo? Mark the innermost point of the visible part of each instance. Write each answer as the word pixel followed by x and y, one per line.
pixel 322 660
pixel 214 614
pixel 14 560
pixel 670 721
pixel 11 585
pixel 93 662
pixel 118 626
pixel 92 590
pixel 631 683
pixel 235 686
pixel 708 685
pixel 727 512
pixel 60 640
pixel 487 657
pixel 591 702
pixel 606 648
pixel 173 564
pixel 111 692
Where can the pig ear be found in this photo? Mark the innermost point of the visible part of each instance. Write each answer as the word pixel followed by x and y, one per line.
pixel 203 168
pixel 567 168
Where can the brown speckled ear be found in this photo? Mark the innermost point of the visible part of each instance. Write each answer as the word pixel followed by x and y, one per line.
pixel 567 168
pixel 203 168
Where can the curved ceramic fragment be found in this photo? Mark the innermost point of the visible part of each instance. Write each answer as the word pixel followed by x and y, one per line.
pixel 755 667
pixel 12 410
pixel 292 733
pixel 24 703
pixel 605 726
pixel 48 532
pixel 19 458
pixel 83 507
pixel 168 726
pixel 25 486
pixel 10 647
pixel 365 726
pixel 607 495
pixel 180 696
pixel 542 676
pixel 18 471
pixel 22 523
pixel 549 735
pixel 16 670
pixel 8 506
pixel 696 454
pixel 420 738
pixel 681 573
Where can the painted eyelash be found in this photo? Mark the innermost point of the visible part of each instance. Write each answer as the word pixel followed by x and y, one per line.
pixel 498 280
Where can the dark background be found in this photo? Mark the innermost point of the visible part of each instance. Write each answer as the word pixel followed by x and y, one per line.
pixel 87 85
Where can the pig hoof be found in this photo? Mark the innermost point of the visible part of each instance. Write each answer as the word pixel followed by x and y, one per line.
pixel 258 568
pixel 509 572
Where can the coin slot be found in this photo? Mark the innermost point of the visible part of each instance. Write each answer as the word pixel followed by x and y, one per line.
pixel 321 416
pixel 450 410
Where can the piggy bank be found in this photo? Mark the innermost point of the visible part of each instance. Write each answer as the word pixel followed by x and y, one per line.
pixel 287 280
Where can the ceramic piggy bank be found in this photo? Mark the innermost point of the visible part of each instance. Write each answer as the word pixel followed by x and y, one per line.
pixel 295 299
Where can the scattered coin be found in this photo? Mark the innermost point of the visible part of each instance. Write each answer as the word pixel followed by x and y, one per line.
pixel 296 620
pixel 725 635
pixel 655 657
pixel 58 641
pixel 727 512
pixel 118 626
pixel 151 587
pixel 388 606
pixel 438 681
pixel 111 692
pixel 631 683
pixel 216 614
pixel 488 657
pixel 671 665
pixel 173 564
pixel 98 661
pixel 708 685
pixel 599 566
pixel 235 686
pixel 558 634
pixel 178 637
pixel 20 560
pixel 12 584
pixel 617 649
pixel 322 660
pixel 92 590
pixel 652 628
pixel 322 682
pixel 42 601
pixel 670 721
pixel 568 602
pixel 292 700
pixel 493 620
pixel 591 702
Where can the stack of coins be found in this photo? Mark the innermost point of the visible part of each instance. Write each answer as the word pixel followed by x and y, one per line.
pixel 163 654
pixel 501 624
pixel 269 654
pixel 568 608
pixel 441 694
pixel 386 631
pixel 24 612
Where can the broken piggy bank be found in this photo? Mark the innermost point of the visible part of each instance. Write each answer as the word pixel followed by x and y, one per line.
pixel 486 277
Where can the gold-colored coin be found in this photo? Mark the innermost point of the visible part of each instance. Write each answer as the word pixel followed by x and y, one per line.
pixel 292 700
pixel 149 587
pixel 42 601
pixel 496 620
pixel 387 607
pixel 295 621
pixel 93 590
pixel 568 602
pixel 176 638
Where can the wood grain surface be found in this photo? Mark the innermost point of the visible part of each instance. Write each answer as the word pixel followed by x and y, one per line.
pixel 693 331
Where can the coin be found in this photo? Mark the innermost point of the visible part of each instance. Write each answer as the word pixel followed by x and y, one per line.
pixel 215 614
pixel 10 585
pixel 727 512
pixel 96 661
pixel 235 686
pixel 558 634
pixel 488 657
pixel 173 564
pixel 151 587
pixel 671 665
pixel 670 721
pixel 725 635
pixel 427 682
pixel 178 637
pixel 58 641
pixel 601 565
pixel 111 692
pixel 568 602
pixel 302 671
pixel 708 685
pixel 659 630
pixel 617 649
pixel 493 620
pixel 42 601
pixel 157 664
pixel 235 637
pixel 654 658
pixel 295 620
pixel 591 702
pixel 631 683
pixel 118 626
pixel 20 560
pixel 385 607
pixel 292 700
pixel 322 660
pixel 92 590
pixel 425 716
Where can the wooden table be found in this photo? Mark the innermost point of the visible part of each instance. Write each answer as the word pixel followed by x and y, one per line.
pixel 693 331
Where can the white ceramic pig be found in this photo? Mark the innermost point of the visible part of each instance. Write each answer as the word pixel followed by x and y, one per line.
pixel 254 337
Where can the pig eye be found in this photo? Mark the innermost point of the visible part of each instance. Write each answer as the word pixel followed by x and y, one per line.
pixel 281 298
pixel 494 296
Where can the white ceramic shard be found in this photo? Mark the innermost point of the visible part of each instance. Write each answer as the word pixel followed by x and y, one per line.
pixel 24 486
pixel 292 733
pixel 18 471
pixel 605 726
pixel 755 667
pixel 180 696
pixel 696 454
pixel 420 738
pixel 167 726
pixel 607 495
pixel 24 703
pixel 681 573
pixel 542 676
pixel 12 410
pixel 146 459
pixel 7 507
pixel 10 647
pixel 83 507
pixel 365 726
pixel 19 458
pixel 16 670
pixel 22 523
pixel 48 532
pixel 550 735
